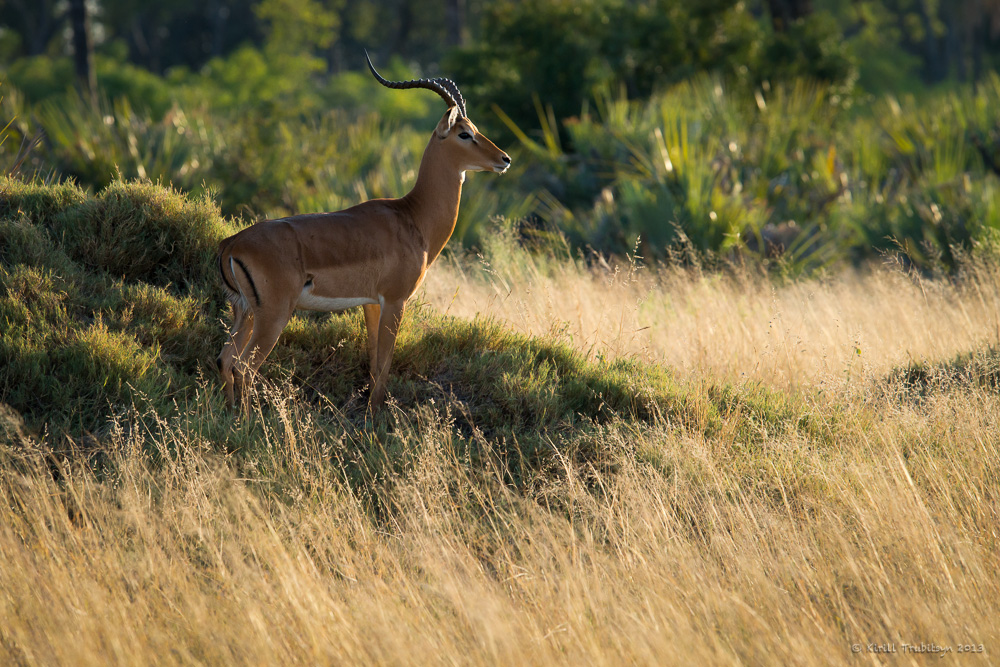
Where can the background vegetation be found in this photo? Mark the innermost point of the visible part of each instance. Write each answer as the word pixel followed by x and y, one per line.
pixel 819 131
pixel 666 407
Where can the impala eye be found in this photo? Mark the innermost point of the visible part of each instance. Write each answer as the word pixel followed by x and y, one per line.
pixel 465 135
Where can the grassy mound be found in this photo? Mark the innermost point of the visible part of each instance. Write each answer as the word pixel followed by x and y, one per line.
pixel 102 297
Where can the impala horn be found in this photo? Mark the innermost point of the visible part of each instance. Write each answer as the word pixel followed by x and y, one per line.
pixel 446 88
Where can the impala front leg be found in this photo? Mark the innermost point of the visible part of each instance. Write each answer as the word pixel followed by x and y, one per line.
pixel 389 320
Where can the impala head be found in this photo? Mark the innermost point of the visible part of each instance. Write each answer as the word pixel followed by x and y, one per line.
pixel 469 148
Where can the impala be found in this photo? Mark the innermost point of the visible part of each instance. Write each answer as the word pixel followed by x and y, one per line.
pixel 373 255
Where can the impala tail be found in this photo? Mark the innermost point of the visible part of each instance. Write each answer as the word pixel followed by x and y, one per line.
pixel 228 265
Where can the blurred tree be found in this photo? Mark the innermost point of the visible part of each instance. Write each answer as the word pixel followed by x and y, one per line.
pixel 808 47
pixel 186 33
pixel 299 26
pixel 420 31
pixel 952 38
pixel 38 22
pixel 455 19
pixel 785 12
pixel 83 48
pixel 508 50
pixel 562 51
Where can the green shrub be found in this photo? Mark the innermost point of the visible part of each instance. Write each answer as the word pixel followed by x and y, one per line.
pixel 566 50
pixel 96 144
pixel 788 171
pixel 41 77
pixel 143 89
pixel 22 242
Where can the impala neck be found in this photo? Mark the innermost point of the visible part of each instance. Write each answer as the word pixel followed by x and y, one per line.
pixel 434 198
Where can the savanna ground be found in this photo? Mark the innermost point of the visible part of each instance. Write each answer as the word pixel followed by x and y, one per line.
pixel 587 462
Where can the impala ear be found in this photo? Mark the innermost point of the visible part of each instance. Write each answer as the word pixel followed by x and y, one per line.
pixel 448 121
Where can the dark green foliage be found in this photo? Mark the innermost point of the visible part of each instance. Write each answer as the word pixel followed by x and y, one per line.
pixel 699 129
pixel 788 173
pixel 812 48
pixel 41 77
pixel 563 51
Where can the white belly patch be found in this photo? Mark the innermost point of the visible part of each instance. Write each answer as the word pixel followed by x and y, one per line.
pixel 310 301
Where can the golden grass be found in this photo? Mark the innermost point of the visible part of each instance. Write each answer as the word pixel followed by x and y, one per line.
pixel 878 524
pixel 850 327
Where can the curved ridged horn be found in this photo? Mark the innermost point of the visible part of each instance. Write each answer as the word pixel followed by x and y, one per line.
pixel 455 93
pixel 446 88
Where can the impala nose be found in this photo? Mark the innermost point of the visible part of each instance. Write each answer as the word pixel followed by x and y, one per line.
pixel 506 158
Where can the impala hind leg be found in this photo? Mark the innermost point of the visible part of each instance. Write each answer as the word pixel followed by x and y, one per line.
pixel 372 312
pixel 239 334
pixel 266 329
pixel 389 320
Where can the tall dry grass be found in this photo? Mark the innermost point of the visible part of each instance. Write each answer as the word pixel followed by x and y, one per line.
pixel 852 326
pixel 877 524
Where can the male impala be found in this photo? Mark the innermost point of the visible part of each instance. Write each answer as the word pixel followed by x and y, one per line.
pixel 373 255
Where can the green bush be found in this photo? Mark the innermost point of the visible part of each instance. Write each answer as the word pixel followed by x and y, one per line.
pixel 785 171
pixel 76 340
pixel 123 80
pixel 41 77
pixel 38 201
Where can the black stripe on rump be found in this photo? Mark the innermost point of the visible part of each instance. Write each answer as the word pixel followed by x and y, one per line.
pixel 256 297
pixel 225 278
